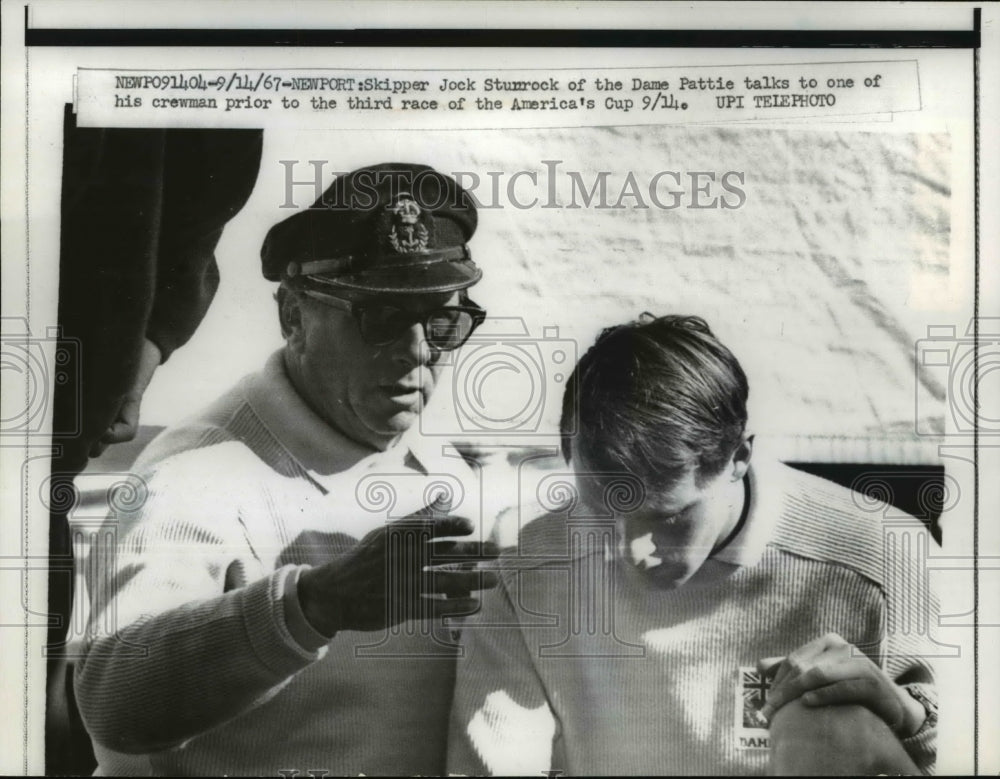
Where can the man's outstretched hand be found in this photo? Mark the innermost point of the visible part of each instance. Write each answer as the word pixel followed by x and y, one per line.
pixel 829 671
pixel 412 568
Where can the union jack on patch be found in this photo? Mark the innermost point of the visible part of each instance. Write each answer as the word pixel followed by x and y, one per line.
pixel 754 687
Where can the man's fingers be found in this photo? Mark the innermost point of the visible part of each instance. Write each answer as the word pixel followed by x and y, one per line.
pixel 806 655
pixel 119 432
pixel 787 689
pixel 861 681
pixel 854 690
pixel 766 664
pixel 457 583
pixel 447 551
pixel 426 526
pixel 129 413
pixel 838 669
pixel 797 661
pixel 788 668
pixel 453 607
pixel 438 507
pixel 441 505
pixel 432 543
pixel 864 692
pixel 827 669
pixel 451 525
pixel 778 697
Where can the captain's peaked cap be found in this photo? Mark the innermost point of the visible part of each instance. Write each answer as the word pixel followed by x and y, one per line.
pixel 389 228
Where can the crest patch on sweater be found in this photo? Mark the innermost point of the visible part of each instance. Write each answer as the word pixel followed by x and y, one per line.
pixel 752 688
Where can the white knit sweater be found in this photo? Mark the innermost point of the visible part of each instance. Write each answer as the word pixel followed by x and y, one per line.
pixel 198 655
pixel 573 666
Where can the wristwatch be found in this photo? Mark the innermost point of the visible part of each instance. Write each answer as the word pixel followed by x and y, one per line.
pixel 929 703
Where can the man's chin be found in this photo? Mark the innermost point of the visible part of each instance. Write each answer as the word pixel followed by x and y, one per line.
pixel 396 415
pixel 382 430
pixel 398 423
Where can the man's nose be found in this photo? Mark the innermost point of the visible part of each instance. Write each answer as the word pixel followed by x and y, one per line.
pixel 412 349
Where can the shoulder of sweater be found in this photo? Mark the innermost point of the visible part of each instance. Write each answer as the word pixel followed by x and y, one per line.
pixel 824 521
pixel 221 466
pixel 202 488
pixel 206 429
pixel 546 539
pixel 180 440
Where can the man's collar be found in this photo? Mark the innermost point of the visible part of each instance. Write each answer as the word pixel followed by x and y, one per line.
pixel 765 509
pixel 319 448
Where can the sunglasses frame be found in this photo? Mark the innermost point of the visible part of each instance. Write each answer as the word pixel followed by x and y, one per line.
pixel 357 310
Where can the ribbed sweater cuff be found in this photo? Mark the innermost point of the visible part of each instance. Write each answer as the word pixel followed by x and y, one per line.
pixel 922 745
pixel 305 634
pixel 264 620
pixel 922 749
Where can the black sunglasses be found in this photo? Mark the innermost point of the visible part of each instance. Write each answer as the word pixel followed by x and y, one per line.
pixel 445 328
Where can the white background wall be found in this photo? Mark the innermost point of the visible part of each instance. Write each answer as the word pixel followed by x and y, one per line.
pixel 822 283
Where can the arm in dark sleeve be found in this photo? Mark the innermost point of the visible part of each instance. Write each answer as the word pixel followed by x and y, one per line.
pixel 208 178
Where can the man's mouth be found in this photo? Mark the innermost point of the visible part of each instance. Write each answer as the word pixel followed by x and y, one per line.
pixel 401 392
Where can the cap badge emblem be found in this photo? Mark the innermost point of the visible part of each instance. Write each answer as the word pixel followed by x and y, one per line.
pixel 407 233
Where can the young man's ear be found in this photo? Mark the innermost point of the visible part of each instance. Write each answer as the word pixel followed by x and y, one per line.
pixel 290 315
pixel 741 458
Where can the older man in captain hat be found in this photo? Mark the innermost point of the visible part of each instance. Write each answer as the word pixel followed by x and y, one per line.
pixel 259 614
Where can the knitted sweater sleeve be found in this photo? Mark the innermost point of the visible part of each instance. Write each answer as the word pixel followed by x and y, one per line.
pixel 890 550
pixel 186 630
pixel 501 719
